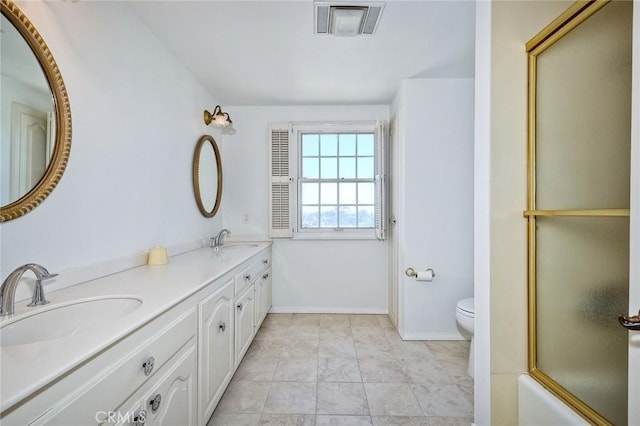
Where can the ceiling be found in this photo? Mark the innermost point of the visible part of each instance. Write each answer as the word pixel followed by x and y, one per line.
pixel 266 53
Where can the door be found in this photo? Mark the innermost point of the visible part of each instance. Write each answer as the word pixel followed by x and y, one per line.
pixel 30 148
pixel 582 222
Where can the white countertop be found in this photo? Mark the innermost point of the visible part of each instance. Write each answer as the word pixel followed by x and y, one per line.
pixel 26 368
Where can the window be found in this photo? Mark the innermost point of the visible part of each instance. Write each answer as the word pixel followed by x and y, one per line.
pixel 332 185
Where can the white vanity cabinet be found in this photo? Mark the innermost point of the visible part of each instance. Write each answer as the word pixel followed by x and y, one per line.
pixel 216 360
pixel 173 367
pixel 246 309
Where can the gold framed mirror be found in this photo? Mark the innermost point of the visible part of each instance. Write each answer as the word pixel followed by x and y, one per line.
pixel 207 176
pixel 36 139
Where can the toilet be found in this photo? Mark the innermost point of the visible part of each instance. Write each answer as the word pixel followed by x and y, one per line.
pixel 465 313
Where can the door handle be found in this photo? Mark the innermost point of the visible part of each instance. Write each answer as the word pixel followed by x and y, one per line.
pixel 630 323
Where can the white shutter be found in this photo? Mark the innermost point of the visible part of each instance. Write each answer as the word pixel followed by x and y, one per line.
pixel 280 183
pixel 381 180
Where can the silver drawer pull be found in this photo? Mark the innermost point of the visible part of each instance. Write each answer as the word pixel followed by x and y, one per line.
pixel 239 306
pixel 265 276
pixel 265 261
pixel 247 277
pixel 155 402
pixel 140 418
pixel 223 326
pixel 148 365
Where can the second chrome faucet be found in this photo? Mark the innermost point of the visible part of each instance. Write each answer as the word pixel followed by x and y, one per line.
pixel 218 240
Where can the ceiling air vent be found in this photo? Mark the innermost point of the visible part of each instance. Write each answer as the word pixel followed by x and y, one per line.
pixel 347 19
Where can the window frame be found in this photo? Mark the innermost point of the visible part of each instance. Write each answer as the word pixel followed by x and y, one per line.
pixel 355 127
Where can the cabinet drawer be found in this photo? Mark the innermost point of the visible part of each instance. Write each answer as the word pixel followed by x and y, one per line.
pixel 252 271
pixel 166 343
pixel 116 381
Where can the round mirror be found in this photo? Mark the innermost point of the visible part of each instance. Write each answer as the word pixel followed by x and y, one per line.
pixel 35 119
pixel 207 176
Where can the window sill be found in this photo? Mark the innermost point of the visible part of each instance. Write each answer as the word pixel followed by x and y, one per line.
pixel 334 235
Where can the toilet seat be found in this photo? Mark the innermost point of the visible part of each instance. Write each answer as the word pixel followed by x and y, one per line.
pixel 465 307
pixel 465 313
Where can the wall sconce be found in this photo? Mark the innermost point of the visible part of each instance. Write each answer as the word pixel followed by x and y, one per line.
pixel 218 118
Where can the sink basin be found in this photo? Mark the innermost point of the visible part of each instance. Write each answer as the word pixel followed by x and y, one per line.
pixel 238 245
pixel 64 320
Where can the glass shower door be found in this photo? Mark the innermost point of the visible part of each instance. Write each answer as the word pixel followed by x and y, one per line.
pixel 578 208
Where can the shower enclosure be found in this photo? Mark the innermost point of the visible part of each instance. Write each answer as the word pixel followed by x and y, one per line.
pixel 578 207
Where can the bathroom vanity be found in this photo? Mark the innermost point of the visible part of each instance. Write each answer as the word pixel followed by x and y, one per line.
pixel 150 345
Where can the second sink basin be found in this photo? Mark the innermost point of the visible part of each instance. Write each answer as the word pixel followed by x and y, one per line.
pixel 237 246
pixel 64 320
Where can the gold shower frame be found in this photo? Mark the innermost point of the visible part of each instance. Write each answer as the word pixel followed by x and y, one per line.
pixel 563 24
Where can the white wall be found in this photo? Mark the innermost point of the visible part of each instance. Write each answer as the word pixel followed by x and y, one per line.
pixel 136 116
pixel 512 25
pixel 433 178
pixel 327 276
pixel 481 216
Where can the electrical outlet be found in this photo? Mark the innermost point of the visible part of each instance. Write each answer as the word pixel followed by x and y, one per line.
pixel 245 218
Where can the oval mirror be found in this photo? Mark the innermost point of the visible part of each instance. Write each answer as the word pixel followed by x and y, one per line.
pixel 207 176
pixel 35 116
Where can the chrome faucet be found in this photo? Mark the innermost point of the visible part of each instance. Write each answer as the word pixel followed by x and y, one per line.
pixel 8 288
pixel 218 240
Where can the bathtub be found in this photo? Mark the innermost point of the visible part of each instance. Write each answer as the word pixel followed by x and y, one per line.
pixel 538 407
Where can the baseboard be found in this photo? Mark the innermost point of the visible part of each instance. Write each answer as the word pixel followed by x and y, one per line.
pixel 317 310
pixel 432 336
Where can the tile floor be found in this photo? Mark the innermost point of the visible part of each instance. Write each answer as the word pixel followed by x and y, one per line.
pixel 325 369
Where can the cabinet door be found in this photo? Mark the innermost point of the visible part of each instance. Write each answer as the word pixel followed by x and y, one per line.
pixel 215 348
pixel 244 324
pixel 267 291
pixel 263 297
pixel 258 303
